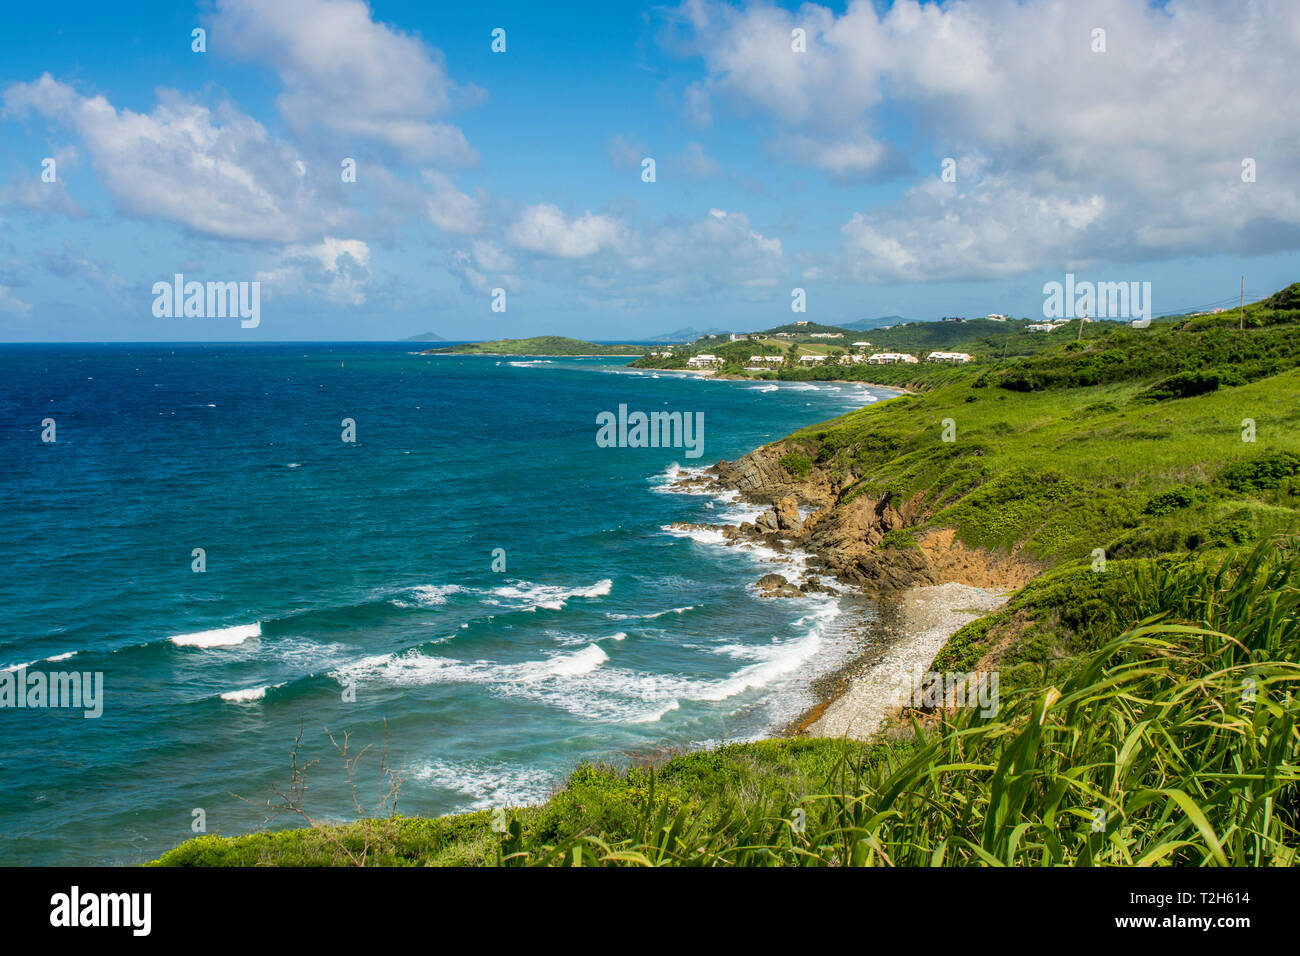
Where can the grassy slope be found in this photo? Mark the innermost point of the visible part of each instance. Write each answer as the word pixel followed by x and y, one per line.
pixel 541 345
pixel 1166 488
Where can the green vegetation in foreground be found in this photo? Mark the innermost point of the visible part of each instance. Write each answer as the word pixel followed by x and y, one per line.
pixel 539 345
pixel 1148 676
pixel 1174 743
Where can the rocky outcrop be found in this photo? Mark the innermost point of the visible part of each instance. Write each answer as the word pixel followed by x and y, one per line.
pixel 776 585
pixel 760 477
pixel 845 531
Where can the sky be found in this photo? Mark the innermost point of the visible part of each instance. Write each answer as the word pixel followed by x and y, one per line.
pixel 914 159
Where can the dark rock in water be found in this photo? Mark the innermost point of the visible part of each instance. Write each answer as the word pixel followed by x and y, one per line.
pixel 775 585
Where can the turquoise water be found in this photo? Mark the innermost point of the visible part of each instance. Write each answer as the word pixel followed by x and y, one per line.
pixel 365 569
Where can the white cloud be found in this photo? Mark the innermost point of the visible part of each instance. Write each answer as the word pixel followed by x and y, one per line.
pixel 450 209
pixel 338 269
pixel 545 230
pixel 696 164
pixel 216 172
pixel 1133 153
pixel 348 75
pixel 11 304
pixel 626 152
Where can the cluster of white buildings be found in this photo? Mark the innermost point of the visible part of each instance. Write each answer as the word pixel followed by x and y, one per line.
pixel 703 360
pixel 1044 326
pixel 760 363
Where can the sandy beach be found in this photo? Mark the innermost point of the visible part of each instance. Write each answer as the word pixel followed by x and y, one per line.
pixel 922 621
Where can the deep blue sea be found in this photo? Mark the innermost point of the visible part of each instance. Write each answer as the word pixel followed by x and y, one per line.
pixel 339 570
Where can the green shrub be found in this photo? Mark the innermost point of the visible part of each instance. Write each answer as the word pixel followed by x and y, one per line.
pixel 1173 499
pixel 900 539
pixel 797 463
pixel 1182 385
pixel 1264 472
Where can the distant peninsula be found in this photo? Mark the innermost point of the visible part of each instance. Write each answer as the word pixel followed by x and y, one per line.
pixel 547 345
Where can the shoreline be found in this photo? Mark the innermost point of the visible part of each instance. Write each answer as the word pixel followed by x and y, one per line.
pixel 552 355
pixel 731 377
pixel 883 678
pixel 914 620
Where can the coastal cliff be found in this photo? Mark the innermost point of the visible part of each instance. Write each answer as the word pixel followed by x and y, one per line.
pixel 856 537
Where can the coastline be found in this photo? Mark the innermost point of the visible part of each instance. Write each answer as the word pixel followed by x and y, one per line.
pixel 731 377
pixel 552 355
pixel 922 597
pixel 883 678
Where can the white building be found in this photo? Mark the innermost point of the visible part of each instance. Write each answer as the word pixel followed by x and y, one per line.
pixel 812 359
pixel 1039 327
pixel 892 358
pixel 739 337
pixel 862 345
pixel 996 317
pixel 703 361
pixel 827 335
pixel 957 358
pixel 766 358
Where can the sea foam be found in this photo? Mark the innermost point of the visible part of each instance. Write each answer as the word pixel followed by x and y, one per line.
pixel 220 637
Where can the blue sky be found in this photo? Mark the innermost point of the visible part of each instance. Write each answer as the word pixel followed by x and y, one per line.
pixel 776 168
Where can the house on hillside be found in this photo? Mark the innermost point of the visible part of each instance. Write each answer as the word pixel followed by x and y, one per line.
pixel 957 358
pixel 812 359
pixel 862 345
pixel 892 358
pixel 996 317
pixel 704 360
pixel 759 359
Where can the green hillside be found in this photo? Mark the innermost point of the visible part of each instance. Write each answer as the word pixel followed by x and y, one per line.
pixel 1150 673
pixel 539 345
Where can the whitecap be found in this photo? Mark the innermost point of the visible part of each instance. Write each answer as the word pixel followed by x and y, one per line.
pixel 220 637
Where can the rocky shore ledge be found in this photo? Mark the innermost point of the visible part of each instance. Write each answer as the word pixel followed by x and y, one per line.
pixel 844 534
pixel 936 584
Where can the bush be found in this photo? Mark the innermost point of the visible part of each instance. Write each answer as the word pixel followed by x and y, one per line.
pixel 1182 385
pixel 1174 499
pixel 797 463
pixel 1261 473
pixel 900 539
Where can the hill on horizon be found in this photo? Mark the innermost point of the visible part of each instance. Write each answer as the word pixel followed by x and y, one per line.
pixel 861 325
pixel 685 335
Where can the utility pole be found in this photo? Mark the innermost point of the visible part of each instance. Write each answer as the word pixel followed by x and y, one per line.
pixel 1241 323
pixel 1082 319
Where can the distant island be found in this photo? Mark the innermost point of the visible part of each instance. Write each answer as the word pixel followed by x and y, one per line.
pixel 547 345
pixel 685 335
pixel 425 337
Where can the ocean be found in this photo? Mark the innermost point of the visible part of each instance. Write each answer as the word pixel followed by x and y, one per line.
pixel 473 582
